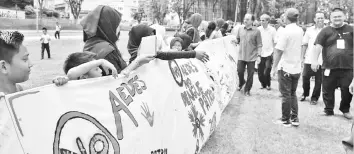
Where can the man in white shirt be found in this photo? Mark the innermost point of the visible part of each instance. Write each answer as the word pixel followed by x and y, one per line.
pixel 57 30
pixel 264 67
pixel 307 47
pixel 288 55
pixel 45 39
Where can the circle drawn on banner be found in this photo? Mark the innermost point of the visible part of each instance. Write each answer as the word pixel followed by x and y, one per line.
pixel 176 72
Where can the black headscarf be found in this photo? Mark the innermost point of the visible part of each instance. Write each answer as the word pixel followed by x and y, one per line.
pixel 100 27
pixel 135 36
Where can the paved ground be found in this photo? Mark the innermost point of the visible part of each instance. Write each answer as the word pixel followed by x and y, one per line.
pixel 246 124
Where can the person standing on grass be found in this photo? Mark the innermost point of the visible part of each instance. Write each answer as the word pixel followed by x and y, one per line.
pixel 57 31
pixel 45 39
pixel 287 55
pixel 250 41
pixel 307 48
pixel 264 67
pixel 336 43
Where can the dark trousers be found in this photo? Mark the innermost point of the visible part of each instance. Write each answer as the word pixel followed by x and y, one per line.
pixel 57 34
pixel 341 78
pixel 264 69
pixel 46 47
pixel 306 76
pixel 241 66
pixel 287 87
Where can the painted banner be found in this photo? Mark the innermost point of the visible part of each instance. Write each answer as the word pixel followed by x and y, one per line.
pixel 6 13
pixel 163 107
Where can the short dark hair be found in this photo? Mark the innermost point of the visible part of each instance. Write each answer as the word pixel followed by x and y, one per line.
pixel 337 9
pixel 44 28
pixel 76 59
pixel 10 44
pixel 292 19
pixel 174 40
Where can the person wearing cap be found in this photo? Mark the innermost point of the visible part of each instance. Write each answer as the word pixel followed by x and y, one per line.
pixel 307 48
pixel 250 41
pixel 336 43
pixel 264 67
pixel 287 60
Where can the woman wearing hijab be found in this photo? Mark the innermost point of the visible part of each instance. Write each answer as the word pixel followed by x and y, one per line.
pixel 195 20
pixel 224 29
pixel 219 23
pixel 211 32
pixel 101 34
pixel 138 32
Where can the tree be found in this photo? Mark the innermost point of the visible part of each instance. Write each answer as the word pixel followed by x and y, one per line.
pixel 40 4
pixel 214 7
pixel 182 8
pixel 75 6
pixel 159 10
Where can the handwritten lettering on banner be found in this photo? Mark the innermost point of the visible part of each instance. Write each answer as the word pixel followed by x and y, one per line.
pixel 108 116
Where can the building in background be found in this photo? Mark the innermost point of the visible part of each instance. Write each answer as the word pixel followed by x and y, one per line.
pixel 48 4
pixel 126 7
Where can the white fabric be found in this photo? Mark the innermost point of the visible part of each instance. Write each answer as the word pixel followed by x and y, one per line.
pixel 45 38
pixel 57 28
pixel 290 42
pixel 309 39
pixel 278 33
pixel 268 37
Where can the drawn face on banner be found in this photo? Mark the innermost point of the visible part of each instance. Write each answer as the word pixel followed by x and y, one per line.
pixel 101 141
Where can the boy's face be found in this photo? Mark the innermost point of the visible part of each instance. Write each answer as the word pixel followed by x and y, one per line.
pixel 94 73
pixel 44 32
pixel 177 46
pixel 19 69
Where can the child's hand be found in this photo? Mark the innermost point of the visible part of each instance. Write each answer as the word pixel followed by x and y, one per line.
pixel 107 64
pixel 202 56
pixel 60 80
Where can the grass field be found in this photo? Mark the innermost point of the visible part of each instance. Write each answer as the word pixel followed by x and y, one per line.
pixel 246 124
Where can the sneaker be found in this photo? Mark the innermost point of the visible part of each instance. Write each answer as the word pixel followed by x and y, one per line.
pixel 285 123
pixel 313 102
pixel 295 122
pixel 328 113
pixel 303 98
pixel 247 93
pixel 348 115
pixel 268 88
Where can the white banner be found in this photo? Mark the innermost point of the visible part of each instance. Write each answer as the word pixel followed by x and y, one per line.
pixel 5 13
pixel 163 107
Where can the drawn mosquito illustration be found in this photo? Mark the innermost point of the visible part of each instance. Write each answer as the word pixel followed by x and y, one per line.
pixel 146 113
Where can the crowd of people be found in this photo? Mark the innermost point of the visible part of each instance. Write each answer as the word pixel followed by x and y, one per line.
pixel 277 46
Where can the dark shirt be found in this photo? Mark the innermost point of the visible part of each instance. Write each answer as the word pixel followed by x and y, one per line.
pixel 334 58
pixel 250 41
pixel 175 55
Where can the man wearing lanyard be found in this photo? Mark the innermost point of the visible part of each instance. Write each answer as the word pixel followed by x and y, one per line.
pixel 336 44
pixel 307 47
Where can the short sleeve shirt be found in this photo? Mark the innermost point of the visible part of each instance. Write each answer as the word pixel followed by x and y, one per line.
pixel 334 57
pixel 290 42
pixel 309 39
pixel 268 37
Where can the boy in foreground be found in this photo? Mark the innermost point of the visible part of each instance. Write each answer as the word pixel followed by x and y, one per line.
pixel 15 68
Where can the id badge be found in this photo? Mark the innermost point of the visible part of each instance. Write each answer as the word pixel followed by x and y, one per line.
pixel 340 44
pixel 326 72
